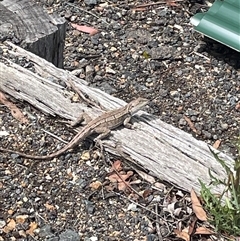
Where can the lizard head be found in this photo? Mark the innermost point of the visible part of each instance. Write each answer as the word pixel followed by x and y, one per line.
pixel 137 104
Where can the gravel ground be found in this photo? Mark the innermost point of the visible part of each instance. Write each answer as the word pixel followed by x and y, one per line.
pixel 151 52
pixel 156 54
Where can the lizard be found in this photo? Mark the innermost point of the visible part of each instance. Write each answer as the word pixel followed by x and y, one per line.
pixel 101 125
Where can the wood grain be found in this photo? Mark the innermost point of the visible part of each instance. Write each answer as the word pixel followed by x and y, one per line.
pixel 165 151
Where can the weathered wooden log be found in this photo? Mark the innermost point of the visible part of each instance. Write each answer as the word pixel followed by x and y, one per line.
pixel 167 152
pixel 27 24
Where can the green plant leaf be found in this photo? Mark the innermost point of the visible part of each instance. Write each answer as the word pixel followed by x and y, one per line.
pixel 224 210
pixel 227 169
pixel 146 55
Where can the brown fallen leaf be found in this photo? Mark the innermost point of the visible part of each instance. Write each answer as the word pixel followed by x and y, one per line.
pixel 22 233
pixel 203 230
pixel 117 165
pixel 85 156
pixel 146 193
pixel 182 234
pixel 139 9
pixel 10 212
pixel 171 3
pixel 237 107
pixel 21 218
pixel 180 108
pixel 197 207
pixel 32 227
pixel 191 125
pixel 191 227
pixel 146 176
pixel 11 225
pixel 49 207
pixel 95 185
pixel 121 178
pixel 217 144
pixel 16 113
pixel 85 29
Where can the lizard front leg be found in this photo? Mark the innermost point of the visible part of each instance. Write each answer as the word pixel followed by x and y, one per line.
pixel 127 123
pixel 82 117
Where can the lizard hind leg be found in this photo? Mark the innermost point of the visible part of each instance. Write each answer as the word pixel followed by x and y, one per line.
pixel 103 132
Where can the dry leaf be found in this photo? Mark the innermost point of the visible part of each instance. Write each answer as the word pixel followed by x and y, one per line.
pixel 121 215
pixel 191 125
pixel 146 193
pixel 217 144
pixel 139 9
pixel 10 226
pixel 32 228
pixel 171 3
pixel 85 156
pixel 197 207
pixel 121 178
pixel 49 207
pixel 123 186
pixel 117 165
pixel 10 211
pixel 109 188
pixel 95 185
pixel 85 29
pixel 16 113
pixel 21 218
pixel 180 108
pixel 137 181
pixel 160 185
pixel 183 235
pixel 146 177
pixel 237 107
pixel 191 227
pixel 22 233
pixel 203 230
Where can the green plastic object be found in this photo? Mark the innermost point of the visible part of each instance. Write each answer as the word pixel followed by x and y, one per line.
pixel 221 22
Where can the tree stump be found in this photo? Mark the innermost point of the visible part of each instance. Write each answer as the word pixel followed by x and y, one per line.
pixel 26 23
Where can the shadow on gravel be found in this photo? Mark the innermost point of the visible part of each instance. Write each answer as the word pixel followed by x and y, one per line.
pixel 222 52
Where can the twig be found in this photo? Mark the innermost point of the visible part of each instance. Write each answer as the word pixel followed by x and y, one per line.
pixel 160 238
pixel 128 185
pixel 201 55
pixel 149 210
pixel 156 3
pixel 37 214
pixel 85 11
pixel 56 137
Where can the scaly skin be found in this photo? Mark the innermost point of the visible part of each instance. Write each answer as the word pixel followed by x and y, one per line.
pixel 102 125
